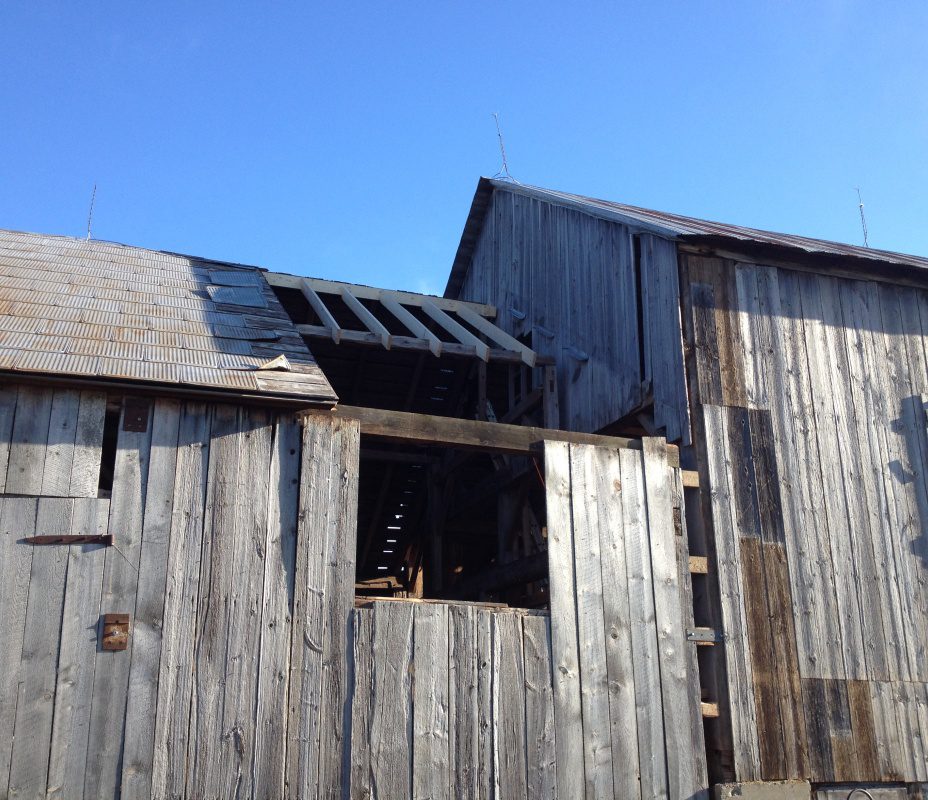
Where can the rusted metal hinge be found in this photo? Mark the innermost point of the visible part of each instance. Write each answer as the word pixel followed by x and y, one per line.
pixel 68 538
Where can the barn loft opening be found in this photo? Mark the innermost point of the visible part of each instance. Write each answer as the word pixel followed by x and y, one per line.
pixel 435 521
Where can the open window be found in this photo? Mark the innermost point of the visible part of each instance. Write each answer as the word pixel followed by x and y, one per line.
pixel 452 524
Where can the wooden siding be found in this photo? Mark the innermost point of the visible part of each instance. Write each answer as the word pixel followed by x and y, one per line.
pixel 599 699
pixel 568 280
pixel 233 555
pixel 815 448
pixel 626 708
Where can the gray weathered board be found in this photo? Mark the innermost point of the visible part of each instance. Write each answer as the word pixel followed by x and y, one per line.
pixel 813 390
pixel 624 685
pixel 233 555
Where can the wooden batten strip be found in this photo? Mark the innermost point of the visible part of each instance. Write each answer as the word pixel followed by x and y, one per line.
pixel 317 304
pixel 371 322
pixel 457 330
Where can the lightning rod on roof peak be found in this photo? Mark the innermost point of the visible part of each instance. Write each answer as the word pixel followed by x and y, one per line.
pixel 863 219
pixel 504 173
pixel 93 197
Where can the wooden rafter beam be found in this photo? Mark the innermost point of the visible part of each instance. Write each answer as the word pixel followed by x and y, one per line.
pixel 315 301
pixel 370 322
pixel 457 330
pixel 415 326
pixel 498 335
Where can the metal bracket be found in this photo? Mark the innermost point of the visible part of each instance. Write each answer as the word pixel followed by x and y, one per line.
pixel 115 632
pixel 704 636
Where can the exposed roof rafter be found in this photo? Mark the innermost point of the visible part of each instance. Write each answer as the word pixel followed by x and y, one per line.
pixel 469 329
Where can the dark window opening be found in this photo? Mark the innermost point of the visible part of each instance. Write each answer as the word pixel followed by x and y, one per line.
pixel 451 524
pixel 108 449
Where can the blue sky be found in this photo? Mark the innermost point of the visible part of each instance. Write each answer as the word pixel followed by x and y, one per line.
pixel 344 140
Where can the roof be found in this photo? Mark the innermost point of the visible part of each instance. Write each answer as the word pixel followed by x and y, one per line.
pixel 671 226
pixel 95 310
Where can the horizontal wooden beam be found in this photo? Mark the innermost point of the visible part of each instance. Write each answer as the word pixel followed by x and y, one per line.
pixel 709 710
pixel 285 281
pixel 426 429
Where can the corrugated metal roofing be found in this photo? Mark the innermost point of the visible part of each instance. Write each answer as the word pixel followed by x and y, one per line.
pixel 84 308
pixel 674 226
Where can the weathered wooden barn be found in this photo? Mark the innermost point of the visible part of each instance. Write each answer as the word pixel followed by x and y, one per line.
pixel 637 507
pixel 793 374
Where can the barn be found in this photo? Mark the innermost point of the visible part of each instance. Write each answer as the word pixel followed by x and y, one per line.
pixel 634 509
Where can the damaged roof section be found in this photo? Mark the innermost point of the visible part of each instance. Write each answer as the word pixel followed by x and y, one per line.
pixel 97 310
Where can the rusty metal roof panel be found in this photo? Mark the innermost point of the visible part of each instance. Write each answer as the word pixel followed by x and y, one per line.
pixel 87 308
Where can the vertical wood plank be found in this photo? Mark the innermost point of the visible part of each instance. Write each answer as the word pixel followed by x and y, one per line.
pixel 341 515
pixel 88 445
pixel 591 624
pixel 539 709
pixel 676 688
pixel 120 585
pixel 509 705
pixel 360 783
pixel 145 641
pixel 59 455
pixel 8 395
pixel 649 706
pixel 208 741
pixel 431 777
pixel 276 619
pixel 74 687
pixel 391 718
pixel 617 617
pixel 32 729
pixel 17 519
pixel 564 646
pixel 464 725
pixel 245 605
pixel 740 678
pixel 486 779
pixel 181 609
pixel 28 441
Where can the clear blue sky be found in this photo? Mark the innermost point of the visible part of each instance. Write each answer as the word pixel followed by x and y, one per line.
pixel 344 140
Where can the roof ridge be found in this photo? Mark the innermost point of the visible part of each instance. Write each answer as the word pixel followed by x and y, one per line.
pixel 109 243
